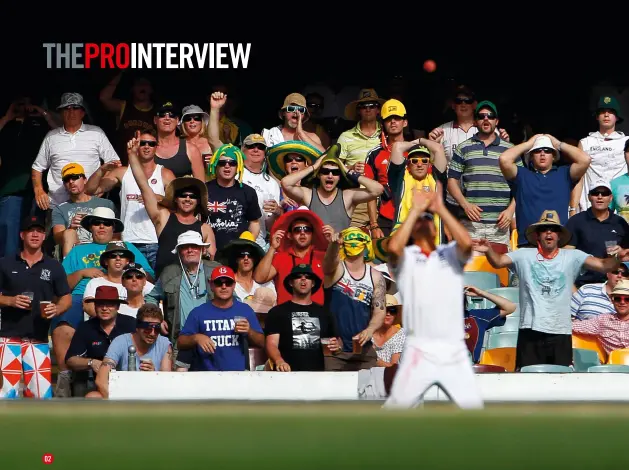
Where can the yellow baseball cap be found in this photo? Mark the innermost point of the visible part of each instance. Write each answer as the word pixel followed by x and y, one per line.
pixel 72 169
pixel 392 108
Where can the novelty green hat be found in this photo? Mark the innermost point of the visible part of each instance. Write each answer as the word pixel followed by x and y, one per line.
pixel 227 151
pixel 275 155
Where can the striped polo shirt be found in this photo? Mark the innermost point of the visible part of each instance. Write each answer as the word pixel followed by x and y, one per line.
pixel 590 301
pixel 482 182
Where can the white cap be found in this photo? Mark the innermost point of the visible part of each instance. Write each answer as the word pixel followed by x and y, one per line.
pixel 542 142
pixel 189 238
pixel 601 183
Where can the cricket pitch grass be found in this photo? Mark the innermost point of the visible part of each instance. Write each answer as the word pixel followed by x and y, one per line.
pixel 96 435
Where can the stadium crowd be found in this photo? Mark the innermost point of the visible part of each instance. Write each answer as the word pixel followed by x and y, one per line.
pixel 209 247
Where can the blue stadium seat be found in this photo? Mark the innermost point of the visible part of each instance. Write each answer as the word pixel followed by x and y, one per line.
pixel 511 293
pixel 610 368
pixel 502 340
pixel 553 368
pixel 482 280
pixel 583 359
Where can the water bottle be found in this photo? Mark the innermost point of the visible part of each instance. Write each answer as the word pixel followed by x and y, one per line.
pixel 132 363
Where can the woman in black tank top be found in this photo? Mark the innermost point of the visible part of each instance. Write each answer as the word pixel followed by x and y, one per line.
pixel 179 163
pixel 167 242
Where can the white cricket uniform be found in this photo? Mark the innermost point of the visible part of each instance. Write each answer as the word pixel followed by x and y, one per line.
pixel 608 161
pixel 435 351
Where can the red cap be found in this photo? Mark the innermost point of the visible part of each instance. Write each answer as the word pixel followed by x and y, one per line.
pixel 223 271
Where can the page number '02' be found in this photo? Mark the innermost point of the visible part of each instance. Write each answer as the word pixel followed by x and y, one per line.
pixel 48 459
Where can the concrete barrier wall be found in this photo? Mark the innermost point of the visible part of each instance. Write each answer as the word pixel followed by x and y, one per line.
pixel 314 386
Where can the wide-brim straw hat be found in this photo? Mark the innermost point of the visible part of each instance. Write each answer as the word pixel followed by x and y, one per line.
pixel 262 300
pixel 275 155
pixel 366 95
pixel 186 182
pixel 548 218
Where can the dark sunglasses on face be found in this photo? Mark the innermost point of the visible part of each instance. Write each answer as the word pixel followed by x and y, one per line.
pixel 621 272
pixel 546 229
pixel 463 100
pixel 115 254
pixel 244 254
pixel 149 327
pixel 194 117
pixel 295 109
pixel 167 114
pixel 106 223
pixel 223 282
pixel 150 143
pixel 392 310
pixel 294 158
pixel 368 106
pixel 330 171
pixel 127 277
pixel 545 150
pixel 307 277
pixel 482 116
pixel 417 160
pixel 601 192
pixel 621 298
pixel 72 178
pixel 256 146
pixel 186 195
pixel 227 163
pixel 302 229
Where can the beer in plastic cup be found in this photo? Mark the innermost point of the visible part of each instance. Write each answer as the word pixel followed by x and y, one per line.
pixel 42 307
pixel 30 295
pixel 325 342
pixel 356 347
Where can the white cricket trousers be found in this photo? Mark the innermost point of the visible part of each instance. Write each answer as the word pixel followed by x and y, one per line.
pixel 417 374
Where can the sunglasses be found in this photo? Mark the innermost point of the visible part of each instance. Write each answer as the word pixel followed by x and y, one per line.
pixel 223 282
pixel 133 276
pixel 368 106
pixel 315 105
pixel 302 229
pixel 150 143
pixel 186 195
pixel 256 146
pixel 482 116
pixel 244 254
pixel 149 327
pixel 169 114
pixel 621 272
pixel 115 254
pixel 417 160
pixel 294 158
pixel 392 310
pixel 545 150
pixel 227 163
pixel 330 171
pixel 106 223
pixel 72 178
pixel 463 100
pixel 546 229
pixel 295 109
pixel 621 299
pixel 308 277
pixel 604 193
pixel 194 117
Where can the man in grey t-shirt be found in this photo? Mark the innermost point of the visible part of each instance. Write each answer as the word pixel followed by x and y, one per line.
pixel 66 217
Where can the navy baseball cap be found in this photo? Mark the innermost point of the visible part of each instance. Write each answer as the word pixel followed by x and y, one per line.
pixel 33 221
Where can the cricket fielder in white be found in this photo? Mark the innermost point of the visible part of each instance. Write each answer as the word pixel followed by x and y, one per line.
pixel 430 280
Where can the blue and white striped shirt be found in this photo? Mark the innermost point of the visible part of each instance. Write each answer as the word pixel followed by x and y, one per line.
pixel 590 301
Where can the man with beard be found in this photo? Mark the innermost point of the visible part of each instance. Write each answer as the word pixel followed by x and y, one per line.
pixel 153 351
pixel 476 183
pixel 381 218
pixel 293 113
pixel 233 208
pixel 138 227
pixel 295 331
pixel 547 273
pixel 181 157
pixel 67 216
pixel 177 212
pixel 335 192
pixel 540 184
pixel 606 147
pixel 131 116
pixel 27 279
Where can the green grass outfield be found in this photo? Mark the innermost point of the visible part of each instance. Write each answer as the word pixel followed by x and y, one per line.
pixel 322 436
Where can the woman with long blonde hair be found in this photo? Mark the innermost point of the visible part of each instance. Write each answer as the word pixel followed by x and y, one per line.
pixel 195 129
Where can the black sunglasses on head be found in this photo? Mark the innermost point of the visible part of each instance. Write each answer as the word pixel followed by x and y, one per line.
pixel 463 100
pixel 150 143
pixel 193 117
pixel 106 223
pixel 330 171
pixel 482 116
pixel 72 177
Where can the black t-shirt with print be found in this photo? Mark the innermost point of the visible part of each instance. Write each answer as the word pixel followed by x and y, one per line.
pixel 301 328
pixel 231 209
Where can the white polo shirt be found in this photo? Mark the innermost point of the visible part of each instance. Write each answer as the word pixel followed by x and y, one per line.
pixel 266 188
pixel 87 146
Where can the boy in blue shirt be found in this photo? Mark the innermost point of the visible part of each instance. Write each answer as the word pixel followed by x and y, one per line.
pixel 216 331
